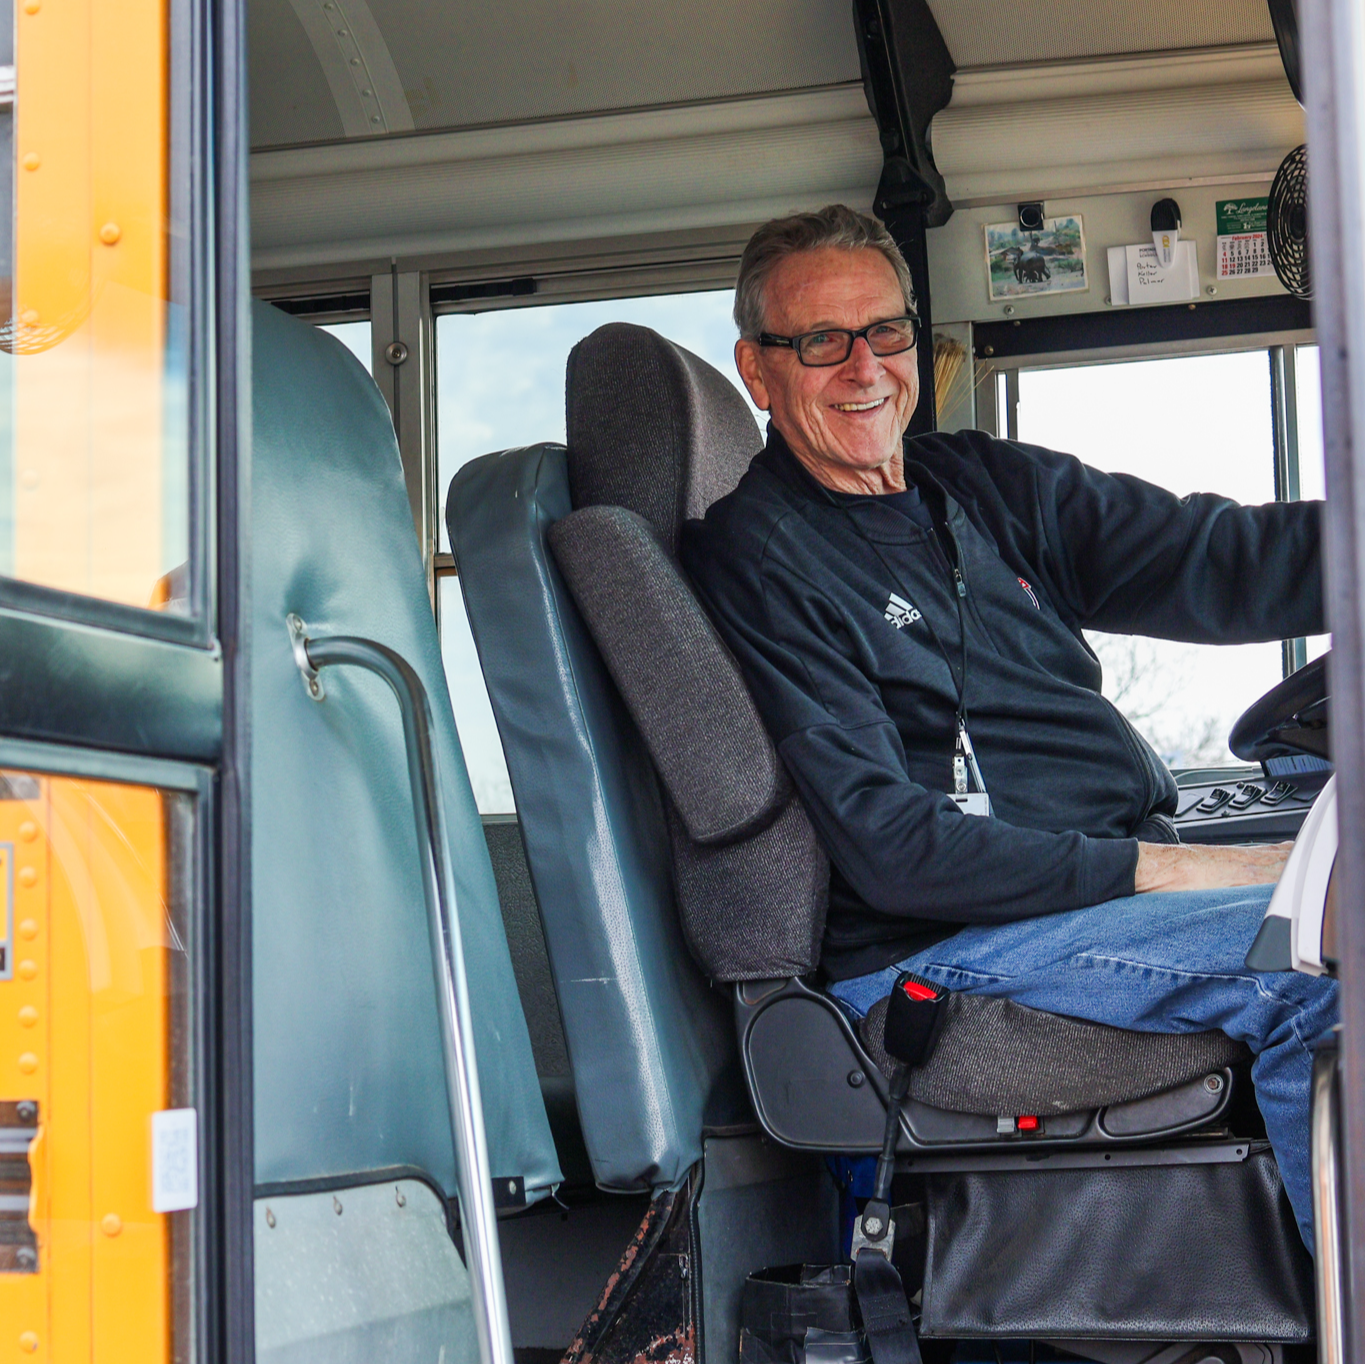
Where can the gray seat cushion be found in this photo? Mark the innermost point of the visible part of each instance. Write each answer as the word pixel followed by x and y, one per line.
pixel 653 428
pixel 752 880
pixel 997 1057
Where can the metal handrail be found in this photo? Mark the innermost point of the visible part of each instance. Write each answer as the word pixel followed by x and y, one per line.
pixel 479 1217
pixel 1327 1208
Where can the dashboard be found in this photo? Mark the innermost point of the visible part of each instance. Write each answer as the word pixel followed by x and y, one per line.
pixel 1258 803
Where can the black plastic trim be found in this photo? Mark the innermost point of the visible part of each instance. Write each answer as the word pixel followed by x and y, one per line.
pixel 1272 948
pixel 78 684
pixel 521 287
pixel 1268 313
pixel 325 305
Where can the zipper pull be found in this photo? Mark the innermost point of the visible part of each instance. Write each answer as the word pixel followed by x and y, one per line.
pixel 961 583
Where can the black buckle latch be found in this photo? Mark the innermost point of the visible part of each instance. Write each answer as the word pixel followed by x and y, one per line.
pixel 914 1019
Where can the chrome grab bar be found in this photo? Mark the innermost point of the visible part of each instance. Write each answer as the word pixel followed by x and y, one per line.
pixel 1327 1208
pixel 479 1217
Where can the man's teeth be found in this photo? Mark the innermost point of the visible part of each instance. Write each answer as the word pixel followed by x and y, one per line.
pixel 860 407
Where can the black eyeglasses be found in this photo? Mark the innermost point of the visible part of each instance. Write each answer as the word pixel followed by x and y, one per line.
pixel 834 345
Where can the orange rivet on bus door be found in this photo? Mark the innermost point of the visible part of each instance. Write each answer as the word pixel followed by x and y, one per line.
pixel 28 1016
pixel 28 969
pixel 32 6
pixel 28 928
pixel 111 1225
pixel 28 1341
pixel 28 831
pixel 110 233
pixel 28 1063
pixel 32 161
pixel 28 876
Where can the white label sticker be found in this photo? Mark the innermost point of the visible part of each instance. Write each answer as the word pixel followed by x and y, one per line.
pixel 175 1160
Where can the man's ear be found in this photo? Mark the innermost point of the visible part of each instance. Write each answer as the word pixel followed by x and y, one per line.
pixel 750 371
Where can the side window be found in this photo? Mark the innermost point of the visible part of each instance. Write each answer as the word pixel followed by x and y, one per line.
pixel 1191 424
pixel 500 383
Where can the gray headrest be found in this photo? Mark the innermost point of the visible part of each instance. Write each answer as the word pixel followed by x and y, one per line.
pixel 653 428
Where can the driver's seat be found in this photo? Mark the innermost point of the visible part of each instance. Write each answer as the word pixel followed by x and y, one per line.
pixel 656 435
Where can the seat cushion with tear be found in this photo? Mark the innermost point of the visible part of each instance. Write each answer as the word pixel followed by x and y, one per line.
pixel 998 1057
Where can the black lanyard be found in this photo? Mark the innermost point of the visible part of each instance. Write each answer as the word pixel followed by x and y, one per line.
pixel 964 755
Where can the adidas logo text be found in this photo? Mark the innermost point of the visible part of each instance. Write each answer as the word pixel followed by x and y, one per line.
pixel 900 613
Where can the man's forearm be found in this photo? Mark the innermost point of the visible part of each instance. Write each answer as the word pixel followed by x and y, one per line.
pixel 1198 867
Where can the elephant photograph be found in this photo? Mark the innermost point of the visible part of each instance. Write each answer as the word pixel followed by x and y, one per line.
pixel 1047 260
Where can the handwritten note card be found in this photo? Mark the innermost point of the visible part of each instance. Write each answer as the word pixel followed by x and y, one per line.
pixel 1136 276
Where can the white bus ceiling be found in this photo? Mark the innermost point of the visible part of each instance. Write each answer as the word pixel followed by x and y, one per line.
pixel 533 133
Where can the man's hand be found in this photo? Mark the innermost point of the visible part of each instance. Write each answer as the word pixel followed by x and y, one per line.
pixel 1198 867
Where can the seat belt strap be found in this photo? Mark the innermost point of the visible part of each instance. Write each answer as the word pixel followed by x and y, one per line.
pixel 884 1308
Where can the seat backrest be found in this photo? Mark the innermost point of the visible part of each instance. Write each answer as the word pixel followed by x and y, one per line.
pixel 650 1045
pixel 348 1066
pixel 656 435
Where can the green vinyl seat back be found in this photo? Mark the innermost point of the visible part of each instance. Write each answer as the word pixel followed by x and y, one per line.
pixel 347 1045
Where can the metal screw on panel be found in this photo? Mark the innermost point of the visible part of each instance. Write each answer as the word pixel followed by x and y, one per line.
pixel 988 350
pixel 1210 289
pixel 1009 310
pixel 270 1218
pixel 26 1111
pixel 872 1226
pixel 26 1259
pixel 336 1204
pixel 396 352
pixel 856 1078
pixel 1213 1084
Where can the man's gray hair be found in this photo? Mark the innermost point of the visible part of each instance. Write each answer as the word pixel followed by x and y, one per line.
pixel 835 225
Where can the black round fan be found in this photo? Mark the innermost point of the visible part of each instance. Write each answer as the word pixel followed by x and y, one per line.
pixel 1286 223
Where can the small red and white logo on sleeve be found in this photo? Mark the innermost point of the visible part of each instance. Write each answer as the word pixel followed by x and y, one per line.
pixel 1032 596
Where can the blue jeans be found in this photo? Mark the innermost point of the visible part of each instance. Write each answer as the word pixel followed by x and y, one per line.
pixel 1163 962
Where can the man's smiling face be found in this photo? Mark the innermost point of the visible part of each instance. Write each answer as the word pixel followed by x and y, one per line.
pixel 843 422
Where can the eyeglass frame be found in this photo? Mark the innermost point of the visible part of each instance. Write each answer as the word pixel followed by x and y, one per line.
pixel 792 343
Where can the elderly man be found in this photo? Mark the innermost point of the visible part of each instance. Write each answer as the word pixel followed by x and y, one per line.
pixel 908 614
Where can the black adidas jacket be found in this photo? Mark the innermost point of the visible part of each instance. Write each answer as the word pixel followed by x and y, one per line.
pixel 863 709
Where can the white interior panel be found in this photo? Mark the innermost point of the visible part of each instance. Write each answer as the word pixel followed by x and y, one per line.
pixel 987 33
pixel 957 251
pixel 1010 136
pixel 613 175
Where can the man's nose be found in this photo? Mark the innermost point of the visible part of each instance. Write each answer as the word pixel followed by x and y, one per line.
pixel 863 363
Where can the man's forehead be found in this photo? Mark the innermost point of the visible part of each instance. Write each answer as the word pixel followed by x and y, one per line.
pixel 832 286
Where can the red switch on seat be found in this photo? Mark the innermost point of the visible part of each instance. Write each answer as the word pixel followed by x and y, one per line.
pixel 1027 1123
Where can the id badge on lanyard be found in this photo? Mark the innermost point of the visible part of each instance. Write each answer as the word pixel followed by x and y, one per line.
pixel 964 766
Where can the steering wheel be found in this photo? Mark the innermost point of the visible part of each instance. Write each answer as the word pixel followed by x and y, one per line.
pixel 1290 719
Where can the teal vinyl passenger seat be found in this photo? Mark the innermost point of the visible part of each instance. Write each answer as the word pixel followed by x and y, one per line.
pixel 355 1166
pixel 682 894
